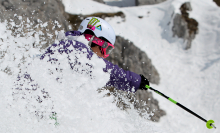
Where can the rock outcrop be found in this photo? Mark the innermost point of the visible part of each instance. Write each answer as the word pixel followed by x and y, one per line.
pixel 100 1
pixel 38 12
pixel 217 2
pixel 129 57
pixel 148 2
pixel 185 27
pixel 76 19
pixel 139 2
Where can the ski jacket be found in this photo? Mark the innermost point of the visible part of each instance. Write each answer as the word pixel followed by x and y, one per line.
pixel 119 78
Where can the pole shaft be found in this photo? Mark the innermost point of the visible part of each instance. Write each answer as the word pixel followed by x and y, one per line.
pixel 180 105
pixel 188 110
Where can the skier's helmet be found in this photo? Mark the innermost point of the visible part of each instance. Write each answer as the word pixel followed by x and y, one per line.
pixel 99 27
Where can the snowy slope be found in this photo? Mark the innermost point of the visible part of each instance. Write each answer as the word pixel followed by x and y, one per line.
pixel 191 77
pixel 87 7
pixel 43 96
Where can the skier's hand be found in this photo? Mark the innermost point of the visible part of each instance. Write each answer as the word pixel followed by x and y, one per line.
pixel 144 82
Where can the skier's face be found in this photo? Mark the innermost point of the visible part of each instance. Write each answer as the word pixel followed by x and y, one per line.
pixel 96 49
pixel 104 46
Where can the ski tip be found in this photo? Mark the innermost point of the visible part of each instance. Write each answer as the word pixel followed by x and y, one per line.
pixel 210 125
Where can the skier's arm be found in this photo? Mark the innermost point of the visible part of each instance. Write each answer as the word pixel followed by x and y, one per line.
pixel 121 79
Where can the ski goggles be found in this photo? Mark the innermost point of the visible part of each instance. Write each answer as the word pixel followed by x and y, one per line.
pixel 106 47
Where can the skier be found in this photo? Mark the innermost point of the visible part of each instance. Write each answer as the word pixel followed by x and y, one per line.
pixel 101 37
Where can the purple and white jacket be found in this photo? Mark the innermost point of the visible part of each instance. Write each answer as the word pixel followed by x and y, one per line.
pixel 119 78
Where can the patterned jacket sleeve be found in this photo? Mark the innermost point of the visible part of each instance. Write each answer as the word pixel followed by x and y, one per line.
pixel 121 79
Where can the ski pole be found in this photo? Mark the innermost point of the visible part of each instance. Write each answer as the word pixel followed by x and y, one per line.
pixel 209 124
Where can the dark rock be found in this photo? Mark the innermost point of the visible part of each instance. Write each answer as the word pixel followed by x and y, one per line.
pixel 48 11
pixel 100 1
pixel 122 3
pixel 129 57
pixel 185 27
pixel 76 19
pixel 140 17
pixel 148 2
pixel 138 2
pixel 180 27
pixel 217 2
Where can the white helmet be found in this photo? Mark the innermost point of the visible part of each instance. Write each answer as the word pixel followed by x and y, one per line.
pixel 99 27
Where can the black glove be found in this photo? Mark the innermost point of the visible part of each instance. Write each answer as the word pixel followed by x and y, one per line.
pixel 144 82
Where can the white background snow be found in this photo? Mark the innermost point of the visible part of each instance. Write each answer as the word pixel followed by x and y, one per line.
pixel 191 77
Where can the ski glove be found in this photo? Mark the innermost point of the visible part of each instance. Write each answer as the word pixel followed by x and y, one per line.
pixel 144 82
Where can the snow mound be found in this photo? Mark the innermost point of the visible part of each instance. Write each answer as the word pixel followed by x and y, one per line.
pixel 49 96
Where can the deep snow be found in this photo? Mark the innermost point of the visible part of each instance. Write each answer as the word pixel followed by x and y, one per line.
pixel 190 77
pixel 48 96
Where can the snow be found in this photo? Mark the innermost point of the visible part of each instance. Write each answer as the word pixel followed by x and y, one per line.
pixel 190 77
pixel 48 96
pixel 87 7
